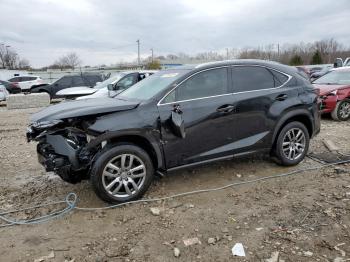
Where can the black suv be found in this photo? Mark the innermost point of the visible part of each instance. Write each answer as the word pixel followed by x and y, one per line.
pixel 67 81
pixel 178 118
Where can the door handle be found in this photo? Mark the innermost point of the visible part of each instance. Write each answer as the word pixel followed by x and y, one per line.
pixel 225 108
pixel 281 97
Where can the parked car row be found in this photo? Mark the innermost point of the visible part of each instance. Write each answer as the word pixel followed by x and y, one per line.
pixel 335 93
pixel 115 84
pixel 80 80
pixel 7 88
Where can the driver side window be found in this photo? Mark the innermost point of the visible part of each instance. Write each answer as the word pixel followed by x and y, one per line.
pixel 126 82
pixel 203 84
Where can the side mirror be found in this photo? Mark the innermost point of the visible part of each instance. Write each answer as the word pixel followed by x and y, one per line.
pixel 177 123
pixel 338 62
pixel 111 87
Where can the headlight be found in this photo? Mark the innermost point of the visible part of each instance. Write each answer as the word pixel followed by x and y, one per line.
pixel 45 124
pixel 333 93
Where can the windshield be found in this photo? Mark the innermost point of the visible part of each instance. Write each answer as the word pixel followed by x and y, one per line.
pixel 110 80
pixel 153 84
pixel 335 77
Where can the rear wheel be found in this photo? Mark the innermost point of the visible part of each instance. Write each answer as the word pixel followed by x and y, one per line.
pixel 292 144
pixel 342 110
pixel 122 173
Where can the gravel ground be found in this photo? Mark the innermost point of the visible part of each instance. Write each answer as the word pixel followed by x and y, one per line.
pixel 297 218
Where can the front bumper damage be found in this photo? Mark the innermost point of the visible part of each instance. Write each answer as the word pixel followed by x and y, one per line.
pixel 328 103
pixel 63 151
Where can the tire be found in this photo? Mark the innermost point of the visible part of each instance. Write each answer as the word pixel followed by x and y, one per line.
pixel 108 169
pixel 342 110
pixel 299 144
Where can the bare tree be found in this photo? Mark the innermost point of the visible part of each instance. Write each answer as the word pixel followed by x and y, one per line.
pixel 23 64
pixel 72 60
pixel 11 59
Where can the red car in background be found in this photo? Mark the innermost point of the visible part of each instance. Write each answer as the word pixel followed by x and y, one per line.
pixel 334 90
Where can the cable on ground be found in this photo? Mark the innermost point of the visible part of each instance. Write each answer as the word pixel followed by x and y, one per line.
pixel 72 199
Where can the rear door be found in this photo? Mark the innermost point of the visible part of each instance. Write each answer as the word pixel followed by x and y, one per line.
pixel 205 102
pixel 258 94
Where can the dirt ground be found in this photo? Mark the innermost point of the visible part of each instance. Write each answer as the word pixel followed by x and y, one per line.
pixel 303 217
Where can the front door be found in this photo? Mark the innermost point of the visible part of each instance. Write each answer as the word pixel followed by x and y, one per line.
pixel 204 102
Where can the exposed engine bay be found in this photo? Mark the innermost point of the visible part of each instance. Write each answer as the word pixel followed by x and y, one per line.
pixel 63 149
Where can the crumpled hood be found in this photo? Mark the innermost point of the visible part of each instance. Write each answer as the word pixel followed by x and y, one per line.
pixel 79 90
pixel 325 89
pixel 83 107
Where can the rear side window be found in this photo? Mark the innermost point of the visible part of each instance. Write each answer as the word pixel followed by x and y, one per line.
pixel 15 79
pixel 64 81
pixel 204 84
pixel 93 79
pixel 28 78
pixel 280 78
pixel 250 78
pixel 78 81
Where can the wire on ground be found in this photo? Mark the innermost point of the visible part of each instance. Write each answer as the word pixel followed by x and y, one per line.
pixel 72 199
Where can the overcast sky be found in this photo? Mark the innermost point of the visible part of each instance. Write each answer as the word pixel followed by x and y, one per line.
pixel 105 31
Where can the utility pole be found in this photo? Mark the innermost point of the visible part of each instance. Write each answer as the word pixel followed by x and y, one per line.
pixel 227 53
pixel 138 52
pixel 152 54
pixel 7 56
pixel 278 50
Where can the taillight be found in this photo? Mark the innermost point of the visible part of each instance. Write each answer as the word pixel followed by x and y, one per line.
pixel 333 93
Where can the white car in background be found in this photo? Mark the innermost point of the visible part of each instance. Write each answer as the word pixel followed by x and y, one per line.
pixel 26 82
pixel 113 85
pixel 3 93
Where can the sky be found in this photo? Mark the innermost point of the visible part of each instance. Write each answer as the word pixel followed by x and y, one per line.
pixel 105 31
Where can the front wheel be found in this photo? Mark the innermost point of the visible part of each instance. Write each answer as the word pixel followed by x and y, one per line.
pixel 342 110
pixel 292 144
pixel 122 173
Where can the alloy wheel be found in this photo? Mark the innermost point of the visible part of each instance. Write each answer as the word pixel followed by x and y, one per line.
pixel 124 175
pixel 294 142
pixel 344 110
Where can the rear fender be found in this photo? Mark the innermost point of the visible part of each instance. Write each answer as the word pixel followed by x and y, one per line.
pixel 290 115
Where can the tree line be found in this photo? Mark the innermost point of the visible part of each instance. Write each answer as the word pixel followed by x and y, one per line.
pixel 318 52
pixel 11 60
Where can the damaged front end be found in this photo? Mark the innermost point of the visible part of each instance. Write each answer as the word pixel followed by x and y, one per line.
pixel 62 148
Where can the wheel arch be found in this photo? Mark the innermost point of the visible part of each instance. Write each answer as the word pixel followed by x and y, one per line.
pixel 143 141
pixel 300 115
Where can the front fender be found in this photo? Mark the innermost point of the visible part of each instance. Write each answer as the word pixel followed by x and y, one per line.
pixel 148 135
